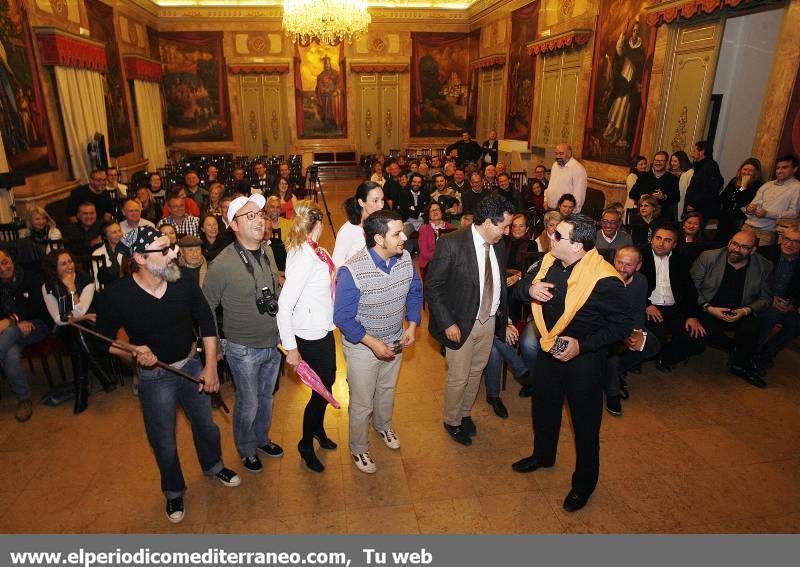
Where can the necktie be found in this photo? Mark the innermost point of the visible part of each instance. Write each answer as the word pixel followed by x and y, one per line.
pixel 488 287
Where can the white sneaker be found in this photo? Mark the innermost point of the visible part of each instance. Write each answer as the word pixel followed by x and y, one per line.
pixel 390 439
pixel 175 509
pixel 365 463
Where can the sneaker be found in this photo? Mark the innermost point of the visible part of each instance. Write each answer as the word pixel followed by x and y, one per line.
pixel 24 410
pixel 253 464
pixel 614 406
pixel 228 477
pixel 365 463
pixel 271 450
pixel 175 510
pixel 390 439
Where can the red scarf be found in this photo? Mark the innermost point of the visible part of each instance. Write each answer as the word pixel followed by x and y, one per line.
pixel 323 255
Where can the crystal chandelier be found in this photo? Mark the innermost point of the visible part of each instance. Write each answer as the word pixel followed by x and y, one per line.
pixel 326 21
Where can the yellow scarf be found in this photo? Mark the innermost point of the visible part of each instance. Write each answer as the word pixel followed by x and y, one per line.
pixel 590 269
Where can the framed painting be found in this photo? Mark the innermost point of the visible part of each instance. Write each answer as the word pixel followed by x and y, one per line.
pixel 440 84
pixel 195 87
pixel 790 138
pixel 623 58
pixel 519 101
pixel 320 91
pixel 120 138
pixel 23 116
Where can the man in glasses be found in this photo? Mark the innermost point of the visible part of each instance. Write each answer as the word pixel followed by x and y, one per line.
pixel 611 237
pixel 580 309
pixel 159 311
pixel 733 286
pixel 244 280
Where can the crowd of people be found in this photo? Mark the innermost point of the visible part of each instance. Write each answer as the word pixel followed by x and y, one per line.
pixel 573 305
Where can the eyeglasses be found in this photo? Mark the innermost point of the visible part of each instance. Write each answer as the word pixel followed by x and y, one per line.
pixel 251 215
pixel 739 246
pixel 164 251
pixel 609 222
pixel 794 241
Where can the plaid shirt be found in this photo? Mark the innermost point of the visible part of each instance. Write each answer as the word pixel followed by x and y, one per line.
pixel 190 226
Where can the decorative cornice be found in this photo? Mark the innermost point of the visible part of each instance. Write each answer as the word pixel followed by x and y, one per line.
pixel 58 47
pixel 379 67
pixel 267 68
pixel 491 61
pixel 275 13
pixel 139 68
pixel 558 42
pixel 670 10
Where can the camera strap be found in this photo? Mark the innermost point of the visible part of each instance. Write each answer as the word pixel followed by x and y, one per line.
pixel 248 265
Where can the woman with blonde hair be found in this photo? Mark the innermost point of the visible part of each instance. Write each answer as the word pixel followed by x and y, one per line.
pixel 42 229
pixel 305 319
pixel 641 223
pixel 551 220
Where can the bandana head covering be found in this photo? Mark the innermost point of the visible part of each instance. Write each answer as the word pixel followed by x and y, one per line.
pixel 138 240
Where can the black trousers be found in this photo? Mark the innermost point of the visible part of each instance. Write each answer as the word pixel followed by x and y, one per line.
pixel 621 360
pixel 744 343
pixel 581 381
pixel 680 345
pixel 321 357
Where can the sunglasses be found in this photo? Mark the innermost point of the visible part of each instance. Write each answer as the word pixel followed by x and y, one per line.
pixel 164 251
pixel 557 236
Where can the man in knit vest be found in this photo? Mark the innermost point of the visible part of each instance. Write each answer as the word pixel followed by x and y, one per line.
pixel 375 291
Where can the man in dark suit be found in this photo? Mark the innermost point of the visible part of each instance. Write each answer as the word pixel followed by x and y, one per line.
pixel 412 200
pixel 671 300
pixel 490 150
pixel 702 195
pixel 580 309
pixel 392 188
pixel 466 289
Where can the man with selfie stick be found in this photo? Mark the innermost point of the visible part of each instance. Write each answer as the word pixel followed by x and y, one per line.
pixel 375 290
pixel 580 310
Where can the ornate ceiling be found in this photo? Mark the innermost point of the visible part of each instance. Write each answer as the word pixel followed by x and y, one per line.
pixel 441 4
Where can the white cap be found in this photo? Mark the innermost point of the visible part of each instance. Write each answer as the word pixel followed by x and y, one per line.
pixel 240 202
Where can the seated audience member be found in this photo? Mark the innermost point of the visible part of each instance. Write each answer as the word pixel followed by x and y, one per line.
pixel 150 211
pixel 737 194
pixel 285 194
pixel 566 204
pixel 276 230
pixel 611 237
pixel 425 171
pixel 413 167
pixel 132 211
pixel 43 236
pixel 785 284
pixel 692 240
pixel 212 176
pixel 447 197
pixel 184 224
pixel 377 174
pixel 532 197
pixel 671 300
pixel 82 238
pixel 429 234
pixel 106 261
pixel 113 184
pixel 539 174
pixel 213 236
pixel 660 184
pixel 490 179
pixel 639 345
pixel 413 201
pixel 774 200
pixel 504 189
pixel 168 230
pixel 545 240
pixel 191 261
pixel 94 192
pixel 155 185
pixel 192 208
pixel 68 292
pixel 23 321
pixel 520 248
pixel 642 221
pixel 350 238
pixel 472 196
pixel 466 220
pixel 733 289
pixel 212 203
pixel 261 181
pixel 459 182
pixel 449 172
pixel 391 189
pixel 223 210
pixel 436 166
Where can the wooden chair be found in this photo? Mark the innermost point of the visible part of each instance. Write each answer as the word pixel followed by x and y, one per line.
pixel 9 231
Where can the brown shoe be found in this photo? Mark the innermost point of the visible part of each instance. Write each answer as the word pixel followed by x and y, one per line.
pixel 24 410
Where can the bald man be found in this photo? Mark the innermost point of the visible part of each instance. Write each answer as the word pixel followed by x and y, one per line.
pixel 566 176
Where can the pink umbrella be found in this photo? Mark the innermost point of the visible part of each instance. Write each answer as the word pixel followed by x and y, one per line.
pixel 312 380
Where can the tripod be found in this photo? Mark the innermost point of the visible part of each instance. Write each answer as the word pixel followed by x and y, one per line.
pixel 314 190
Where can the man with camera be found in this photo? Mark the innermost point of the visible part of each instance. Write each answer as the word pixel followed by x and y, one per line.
pixel 243 278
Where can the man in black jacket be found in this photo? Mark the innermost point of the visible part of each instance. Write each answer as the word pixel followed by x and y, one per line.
pixel 702 195
pixel 466 289
pixel 661 184
pixel 413 201
pixel 671 300
pixel 24 321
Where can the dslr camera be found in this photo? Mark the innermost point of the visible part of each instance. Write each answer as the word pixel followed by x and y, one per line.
pixel 267 302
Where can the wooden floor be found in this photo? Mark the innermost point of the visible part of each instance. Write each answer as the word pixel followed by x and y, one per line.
pixel 695 451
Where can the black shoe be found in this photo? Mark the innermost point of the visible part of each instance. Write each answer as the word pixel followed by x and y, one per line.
pixel 498 407
pixel 325 442
pixel 614 405
pixel 310 458
pixel 271 450
pixel 253 464
pixel 526 391
pixel 749 375
pixel 458 434
pixel 175 509
pixel 574 501
pixel 662 366
pixel 529 464
pixel 469 426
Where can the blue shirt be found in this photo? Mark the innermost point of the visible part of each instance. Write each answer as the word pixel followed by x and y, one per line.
pixel 345 307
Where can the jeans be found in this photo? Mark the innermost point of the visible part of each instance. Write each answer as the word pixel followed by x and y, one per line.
pixel 255 371
pixel 501 350
pixel 160 392
pixel 11 344
pixel 529 348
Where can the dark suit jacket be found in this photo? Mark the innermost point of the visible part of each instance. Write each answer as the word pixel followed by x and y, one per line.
pixel 704 189
pixel 647 182
pixel 391 192
pixel 680 281
pixel 452 288
pixel 490 148
pixel 406 202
